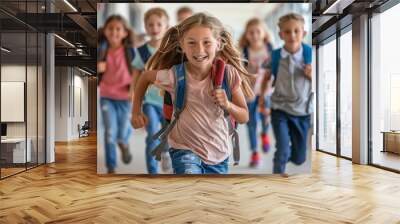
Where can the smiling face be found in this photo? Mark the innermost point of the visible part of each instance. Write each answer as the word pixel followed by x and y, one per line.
pixel 200 46
pixel 292 33
pixel 156 26
pixel 115 32
pixel 255 34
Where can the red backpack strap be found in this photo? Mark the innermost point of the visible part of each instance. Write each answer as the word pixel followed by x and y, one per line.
pixel 168 107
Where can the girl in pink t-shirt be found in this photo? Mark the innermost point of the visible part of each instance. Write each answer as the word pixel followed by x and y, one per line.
pixel 199 140
pixel 115 81
pixel 256 47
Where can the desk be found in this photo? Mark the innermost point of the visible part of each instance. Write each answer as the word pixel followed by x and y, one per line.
pixel 391 141
pixel 15 148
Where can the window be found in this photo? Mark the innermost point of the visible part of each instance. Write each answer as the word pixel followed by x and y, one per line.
pixel 346 94
pixel 385 87
pixel 327 97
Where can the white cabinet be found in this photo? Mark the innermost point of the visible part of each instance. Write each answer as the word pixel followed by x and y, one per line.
pixel 18 149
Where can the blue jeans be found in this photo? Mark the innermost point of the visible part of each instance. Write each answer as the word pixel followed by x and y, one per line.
pixel 155 118
pixel 291 139
pixel 187 162
pixel 116 117
pixel 254 117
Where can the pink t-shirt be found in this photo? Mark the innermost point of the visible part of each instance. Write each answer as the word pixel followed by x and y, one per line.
pixel 256 59
pixel 202 127
pixel 116 79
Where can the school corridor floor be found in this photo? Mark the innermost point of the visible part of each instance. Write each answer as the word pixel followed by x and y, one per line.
pixel 70 191
pixel 138 164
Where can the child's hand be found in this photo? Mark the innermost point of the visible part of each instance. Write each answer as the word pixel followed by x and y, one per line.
pixel 307 70
pixel 261 102
pixel 139 120
pixel 221 99
pixel 265 111
pixel 101 67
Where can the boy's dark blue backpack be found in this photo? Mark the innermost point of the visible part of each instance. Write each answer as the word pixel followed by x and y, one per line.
pixel 144 53
pixel 102 55
pixel 172 111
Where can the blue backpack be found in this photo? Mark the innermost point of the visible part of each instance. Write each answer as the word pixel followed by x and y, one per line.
pixel 276 57
pixel 173 110
pixel 144 53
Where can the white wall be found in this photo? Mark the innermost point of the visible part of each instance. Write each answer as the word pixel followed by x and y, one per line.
pixel 71 93
pixel 79 117
pixel 61 103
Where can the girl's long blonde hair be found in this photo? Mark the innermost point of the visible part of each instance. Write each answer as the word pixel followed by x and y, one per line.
pixel 127 41
pixel 243 42
pixel 170 53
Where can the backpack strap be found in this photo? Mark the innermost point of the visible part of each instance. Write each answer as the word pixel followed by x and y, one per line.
pixel 144 53
pixel 275 58
pixel 101 56
pixel 307 53
pixel 178 107
pixel 246 56
pixel 102 51
pixel 269 47
pixel 225 85
pixel 231 122
pixel 168 107
pixel 129 56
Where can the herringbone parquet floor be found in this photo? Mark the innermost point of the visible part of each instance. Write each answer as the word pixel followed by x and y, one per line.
pixel 70 191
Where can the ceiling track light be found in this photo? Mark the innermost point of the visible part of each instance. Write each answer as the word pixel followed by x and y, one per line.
pixel 5 50
pixel 64 40
pixel 337 7
pixel 70 5
pixel 84 71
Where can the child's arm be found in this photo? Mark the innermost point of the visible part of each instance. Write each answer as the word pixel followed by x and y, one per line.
pixel 101 66
pixel 307 71
pixel 264 87
pixel 147 78
pixel 237 108
pixel 135 77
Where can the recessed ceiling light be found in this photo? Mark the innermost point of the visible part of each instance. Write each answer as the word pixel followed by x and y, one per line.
pixel 5 49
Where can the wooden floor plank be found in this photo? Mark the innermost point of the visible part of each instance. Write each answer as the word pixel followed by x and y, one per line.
pixel 70 191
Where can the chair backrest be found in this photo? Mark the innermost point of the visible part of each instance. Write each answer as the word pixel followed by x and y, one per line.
pixel 86 125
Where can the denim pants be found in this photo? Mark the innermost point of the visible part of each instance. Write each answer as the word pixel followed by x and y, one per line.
pixel 155 119
pixel 116 117
pixel 291 139
pixel 254 117
pixel 187 162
